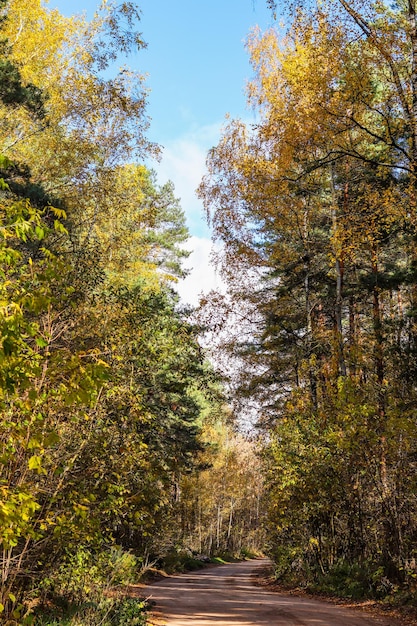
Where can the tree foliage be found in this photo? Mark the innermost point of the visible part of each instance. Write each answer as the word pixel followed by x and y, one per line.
pixel 315 208
pixel 103 386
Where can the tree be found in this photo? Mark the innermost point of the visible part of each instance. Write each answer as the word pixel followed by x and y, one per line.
pixel 94 355
pixel 144 238
pixel 222 502
pixel 91 123
pixel 104 388
pixel 314 204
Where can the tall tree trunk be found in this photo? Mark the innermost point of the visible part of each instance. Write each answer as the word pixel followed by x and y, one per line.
pixel 338 308
pixel 412 22
pixel 352 337
pixel 230 525
pixel 312 370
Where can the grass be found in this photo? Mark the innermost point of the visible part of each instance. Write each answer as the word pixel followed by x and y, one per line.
pixel 120 611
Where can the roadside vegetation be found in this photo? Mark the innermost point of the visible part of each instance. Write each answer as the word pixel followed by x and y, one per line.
pixel 116 442
pixel 120 451
pixel 314 209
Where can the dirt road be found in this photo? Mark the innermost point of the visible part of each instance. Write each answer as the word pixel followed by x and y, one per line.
pixel 226 595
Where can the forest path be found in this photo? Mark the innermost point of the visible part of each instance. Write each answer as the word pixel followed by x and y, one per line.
pixel 227 595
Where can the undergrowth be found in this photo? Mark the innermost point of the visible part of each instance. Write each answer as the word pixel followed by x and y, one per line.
pixel 122 611
pixel 356 581
pixel 87 589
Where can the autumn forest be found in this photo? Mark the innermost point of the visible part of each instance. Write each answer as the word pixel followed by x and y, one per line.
pixel 124 438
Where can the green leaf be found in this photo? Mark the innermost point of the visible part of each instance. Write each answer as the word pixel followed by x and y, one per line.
pixel 60 228
pixel 35 462
pixel 40 233
pixel 4 161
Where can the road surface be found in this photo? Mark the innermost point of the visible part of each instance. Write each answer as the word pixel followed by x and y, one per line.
pixel 226 595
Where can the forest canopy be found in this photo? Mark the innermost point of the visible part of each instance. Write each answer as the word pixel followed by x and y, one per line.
pixel 315 206
pixel 109 411
pixel 119 446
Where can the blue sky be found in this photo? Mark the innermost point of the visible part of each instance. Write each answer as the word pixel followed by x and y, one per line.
pixel 197 68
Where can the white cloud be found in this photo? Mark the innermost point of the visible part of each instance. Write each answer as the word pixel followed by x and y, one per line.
pixel 183 162
pixel 203 276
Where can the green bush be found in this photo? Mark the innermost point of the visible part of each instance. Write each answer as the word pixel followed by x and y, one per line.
pixel 128 612
pixel 80 592
pixel 180 561
pixel 290 567
pixel 83 576
pixel 120 611
pixel 246 553
pixel 350 580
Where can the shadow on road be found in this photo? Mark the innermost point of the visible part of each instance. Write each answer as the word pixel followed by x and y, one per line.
pixel 227 595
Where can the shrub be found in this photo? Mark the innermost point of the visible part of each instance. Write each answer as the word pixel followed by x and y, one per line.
pixel 85 575
pixel 122 611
